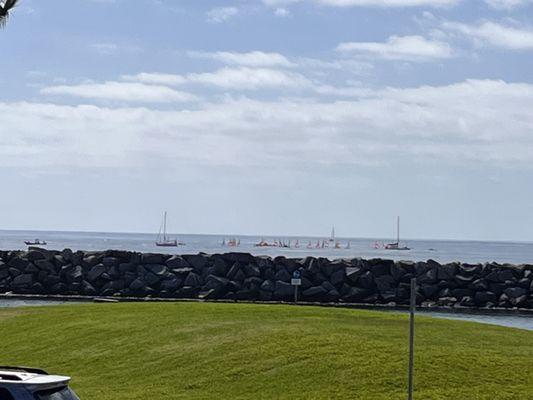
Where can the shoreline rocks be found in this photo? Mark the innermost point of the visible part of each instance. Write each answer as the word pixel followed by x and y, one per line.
pixel 241 276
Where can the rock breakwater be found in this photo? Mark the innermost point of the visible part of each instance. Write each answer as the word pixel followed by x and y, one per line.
pixel 241 276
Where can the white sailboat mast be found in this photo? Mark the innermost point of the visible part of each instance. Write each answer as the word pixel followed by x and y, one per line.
pixel 398 230
pixel 165 227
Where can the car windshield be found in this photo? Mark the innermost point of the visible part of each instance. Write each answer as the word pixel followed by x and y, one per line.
pixel 63 393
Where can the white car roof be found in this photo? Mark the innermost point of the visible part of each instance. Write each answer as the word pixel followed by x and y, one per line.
pixel 26 378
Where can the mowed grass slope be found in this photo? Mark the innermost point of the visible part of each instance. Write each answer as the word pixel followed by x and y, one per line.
pixel 239 351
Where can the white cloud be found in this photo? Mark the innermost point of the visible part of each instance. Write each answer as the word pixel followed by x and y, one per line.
pixel 105 48
pixel 156 78
pixel 282 12
pixel 483 121
pixel 120 91
pixel 249 59
pixel 400 48
pixel 495 34
pixel 366 3
pixel 242 78
pixel 507 4
pixel 222 14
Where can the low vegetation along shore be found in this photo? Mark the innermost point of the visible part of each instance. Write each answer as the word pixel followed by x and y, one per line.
pixel 243 351
pixel 240 276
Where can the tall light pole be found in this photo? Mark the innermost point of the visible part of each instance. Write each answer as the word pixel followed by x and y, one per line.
pixel 412 337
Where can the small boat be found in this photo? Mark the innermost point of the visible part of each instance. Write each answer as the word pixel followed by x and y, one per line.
pixel 223 242
pixel 234 242
pixel 162 239
pixel 396 245
pixel 264 243
pixel 348 246
pixel 35 242
pixel 332 237
pixel 337 245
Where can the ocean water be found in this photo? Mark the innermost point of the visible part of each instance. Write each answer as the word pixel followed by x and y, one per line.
pixel 421 250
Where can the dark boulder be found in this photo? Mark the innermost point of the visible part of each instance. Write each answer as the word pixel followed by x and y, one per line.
pixel 446 272
pixel 515 292
pixel 482 298
pixel 157 269
pixel 18 263
pixel 353 274
pixel 23 281
pixel 384 283
pixel 198 261
pixel 380 267
pixel 252 270
pixel 338 277
pixel 243 258
pixel 367 280
pixel 151 258
pixel 356 294
pixel 268 286
pixel 429 291
pixel 315 292
pixel 87 289
pixel 193 280
pixel 177 262
pixel 283 290
pixel 137 285
pixel 283 275
pixel 151 279
pixel 219 266
pixel 170 285
pixel 96 272
pixel 479 285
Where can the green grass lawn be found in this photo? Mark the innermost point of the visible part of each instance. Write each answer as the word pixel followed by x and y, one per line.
pixel 230 351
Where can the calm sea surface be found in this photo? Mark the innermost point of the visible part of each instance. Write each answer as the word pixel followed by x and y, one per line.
pixel 421 250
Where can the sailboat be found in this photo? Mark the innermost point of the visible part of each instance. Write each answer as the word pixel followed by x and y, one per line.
pixel 162 239
pixel 396 245
pixel 332 238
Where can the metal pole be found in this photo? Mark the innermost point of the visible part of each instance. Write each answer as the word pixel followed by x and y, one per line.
pixel 412 336
pixel 295 294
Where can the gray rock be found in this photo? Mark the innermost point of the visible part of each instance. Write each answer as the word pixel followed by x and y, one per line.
pixel 337 278
pixel 157 269
pixel 315 292
pixel 137 285
pixel 283 275
pixel 515 292
pixel 353 274
pixel 171 285
pixel 177 262
pixel 150 258
pixel 251 270
pixel 23 281
pixel 193 280
pixel 96 272
pixel 268 286
pixel 198 261
pixel 283 290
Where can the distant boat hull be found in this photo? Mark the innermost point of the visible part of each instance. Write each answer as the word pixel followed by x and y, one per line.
pixel 395 246
pixel 173 243
pixel 35 243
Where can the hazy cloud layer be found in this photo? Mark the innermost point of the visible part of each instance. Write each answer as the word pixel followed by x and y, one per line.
pixel 495 34
pixel 414 48
pixel 122 91
pixel 480 121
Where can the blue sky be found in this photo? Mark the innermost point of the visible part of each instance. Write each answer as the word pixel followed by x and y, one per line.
pixel 269 117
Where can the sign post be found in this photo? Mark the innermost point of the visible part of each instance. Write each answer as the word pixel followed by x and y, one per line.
pixel 412 337
pixel 296 281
